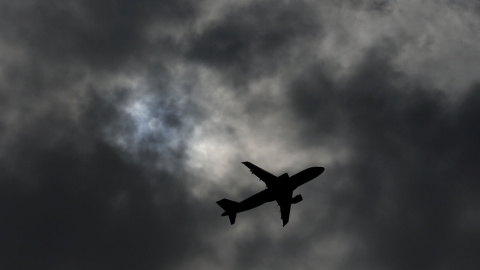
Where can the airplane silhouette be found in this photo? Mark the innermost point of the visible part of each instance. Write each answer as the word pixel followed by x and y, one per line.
pixel 278 189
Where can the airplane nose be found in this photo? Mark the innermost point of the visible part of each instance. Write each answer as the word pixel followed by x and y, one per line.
pixel 319 170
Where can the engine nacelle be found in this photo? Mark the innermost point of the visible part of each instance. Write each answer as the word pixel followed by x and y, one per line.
pixel 297 199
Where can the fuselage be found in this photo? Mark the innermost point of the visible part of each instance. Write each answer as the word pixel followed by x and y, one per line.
pixel 284 187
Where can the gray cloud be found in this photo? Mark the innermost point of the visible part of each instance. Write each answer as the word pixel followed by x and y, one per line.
pixel 118 128
pixel 254 40
pixel 105 34
pixel 71 197
pixel 411 175
pixel 73 201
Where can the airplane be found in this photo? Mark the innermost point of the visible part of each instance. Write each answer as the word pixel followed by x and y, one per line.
pixel 278 189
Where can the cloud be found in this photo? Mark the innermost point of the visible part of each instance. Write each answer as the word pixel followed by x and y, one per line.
pixel 410 174
pixel 254 40
pixel 123 122
pixel 105 34
pixel 74 200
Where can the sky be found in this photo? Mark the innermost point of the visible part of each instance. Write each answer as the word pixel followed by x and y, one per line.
pixel 123 122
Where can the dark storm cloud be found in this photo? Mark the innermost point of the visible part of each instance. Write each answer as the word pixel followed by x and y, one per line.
pixel 77 203
pixel 412 177
pixel 60 49
pixel 254 40
pixel 70 198
pixel 102 34
pixel 370 5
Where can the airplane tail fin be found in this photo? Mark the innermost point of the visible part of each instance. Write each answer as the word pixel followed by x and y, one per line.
pixel 228 206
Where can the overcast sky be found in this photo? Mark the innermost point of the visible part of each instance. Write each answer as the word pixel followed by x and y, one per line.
pixel 123 122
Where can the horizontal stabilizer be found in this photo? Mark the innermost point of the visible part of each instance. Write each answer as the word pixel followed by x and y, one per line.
pixel 229 207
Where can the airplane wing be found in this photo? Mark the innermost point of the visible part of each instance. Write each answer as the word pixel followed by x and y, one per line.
pixel 285 203
pixel 285 210
pixel 265 176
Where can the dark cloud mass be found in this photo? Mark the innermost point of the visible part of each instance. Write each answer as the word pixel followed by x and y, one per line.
pixel 253 41
pixel 75 203
pixel 122 123
pixel 412 179
pixel 105 33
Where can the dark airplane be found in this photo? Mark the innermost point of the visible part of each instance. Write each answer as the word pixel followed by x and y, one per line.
pixel 278 189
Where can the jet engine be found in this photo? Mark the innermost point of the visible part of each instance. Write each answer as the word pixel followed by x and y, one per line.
pixel 297 199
